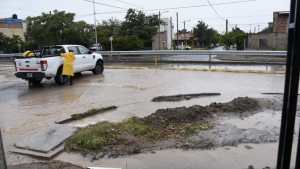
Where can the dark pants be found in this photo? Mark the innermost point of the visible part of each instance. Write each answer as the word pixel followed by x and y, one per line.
pixel 69 79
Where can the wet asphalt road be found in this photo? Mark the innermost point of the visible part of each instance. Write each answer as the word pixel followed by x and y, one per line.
pixel 25 110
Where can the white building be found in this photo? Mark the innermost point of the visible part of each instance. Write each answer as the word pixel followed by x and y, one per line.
pixel 163 39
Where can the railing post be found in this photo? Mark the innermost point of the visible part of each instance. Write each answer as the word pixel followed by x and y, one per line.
pixel 156 59
pixel 209 60
pixel 2 154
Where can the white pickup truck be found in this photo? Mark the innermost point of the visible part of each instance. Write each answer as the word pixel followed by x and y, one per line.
pixel 49 63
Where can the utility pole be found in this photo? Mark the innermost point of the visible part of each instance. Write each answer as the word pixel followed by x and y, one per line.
pixel 159 30
pixel 226 25
pixel 184 22
pixel 95 23
pixel 171 23
pixel 177 30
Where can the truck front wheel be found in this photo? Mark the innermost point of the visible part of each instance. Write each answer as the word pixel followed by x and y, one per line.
pixel 98 68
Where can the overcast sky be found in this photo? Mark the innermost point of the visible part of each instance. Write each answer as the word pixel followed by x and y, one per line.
pixel 253 14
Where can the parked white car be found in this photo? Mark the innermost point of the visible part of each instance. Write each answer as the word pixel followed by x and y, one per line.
pixel 49 63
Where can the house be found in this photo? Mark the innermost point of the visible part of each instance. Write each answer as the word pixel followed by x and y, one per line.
pixel 13 26
pixel 184 39
pixel 275 37
pixel 163 39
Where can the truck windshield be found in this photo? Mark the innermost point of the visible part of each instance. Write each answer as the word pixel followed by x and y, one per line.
pixel 52 51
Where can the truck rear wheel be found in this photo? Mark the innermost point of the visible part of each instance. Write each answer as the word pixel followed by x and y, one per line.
pixel 98 68
pixel 59 78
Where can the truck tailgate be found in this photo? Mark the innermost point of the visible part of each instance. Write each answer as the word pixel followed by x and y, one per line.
pixel 28 65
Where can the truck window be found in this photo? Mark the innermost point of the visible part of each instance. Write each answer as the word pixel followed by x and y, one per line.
pixel 74 49
pixel 52 51
pixel 83 50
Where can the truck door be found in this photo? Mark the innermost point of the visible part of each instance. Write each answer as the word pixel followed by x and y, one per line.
pixel 78 64
pixel 87 58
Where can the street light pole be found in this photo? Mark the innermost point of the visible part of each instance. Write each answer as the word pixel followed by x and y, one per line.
pixel 95 23
pixel 2 155
pixel 177 31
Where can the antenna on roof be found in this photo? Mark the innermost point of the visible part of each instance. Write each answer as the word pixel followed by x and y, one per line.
pixel 14 16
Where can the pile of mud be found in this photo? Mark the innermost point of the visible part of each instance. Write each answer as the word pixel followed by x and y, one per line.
pixel 197 113
pixel 45 165
pixel 182 127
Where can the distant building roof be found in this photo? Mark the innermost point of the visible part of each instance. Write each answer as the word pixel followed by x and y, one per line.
pixel 10 21
pixel 185 35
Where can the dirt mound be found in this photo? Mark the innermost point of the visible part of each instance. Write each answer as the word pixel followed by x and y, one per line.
pixel 165 128
pixel 238 105
pixel 45 165
pixel 164 117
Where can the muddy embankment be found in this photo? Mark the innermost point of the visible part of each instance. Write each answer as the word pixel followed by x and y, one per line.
pixel 182 127
pixel 46 165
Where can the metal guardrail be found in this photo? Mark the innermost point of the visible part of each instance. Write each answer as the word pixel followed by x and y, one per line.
pixel 195 52
pixel 161 56
pixel 10 55
pixel 180 52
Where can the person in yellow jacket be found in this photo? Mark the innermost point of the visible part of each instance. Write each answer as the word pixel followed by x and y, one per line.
pixel 28 53
pixel 68 67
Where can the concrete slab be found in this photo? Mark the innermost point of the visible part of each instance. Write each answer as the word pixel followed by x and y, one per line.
pixel 46 140
pixel 47 156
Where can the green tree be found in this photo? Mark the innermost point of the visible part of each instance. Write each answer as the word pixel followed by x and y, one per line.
pixel 205 36
pixel 57 27
pixel 10 45
pixel 107 29
pixel 138 24
pixel 235 37
pixel 128 43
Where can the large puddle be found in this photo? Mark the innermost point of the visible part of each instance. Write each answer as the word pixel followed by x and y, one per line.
pixel 25 110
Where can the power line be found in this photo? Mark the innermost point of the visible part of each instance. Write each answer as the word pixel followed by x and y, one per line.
pixel 176 8
pixel 202 5
pixel 104 4
pixel 127 3
pixel 214 9
pixel 228 17
pixel 102 13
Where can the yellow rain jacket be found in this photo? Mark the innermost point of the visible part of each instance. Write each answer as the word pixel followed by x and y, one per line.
pixel 28 53
pixel 68 68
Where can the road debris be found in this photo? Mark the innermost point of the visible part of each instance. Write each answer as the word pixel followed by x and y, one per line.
pixel 181 97
pixel 166 128
pixel 88 113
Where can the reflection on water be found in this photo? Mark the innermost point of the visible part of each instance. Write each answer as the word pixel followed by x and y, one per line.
pixel 205 67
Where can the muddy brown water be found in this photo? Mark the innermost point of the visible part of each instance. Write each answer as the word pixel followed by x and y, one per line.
pixel 26 110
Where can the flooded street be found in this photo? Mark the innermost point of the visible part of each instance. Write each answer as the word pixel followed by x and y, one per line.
pixel 25 110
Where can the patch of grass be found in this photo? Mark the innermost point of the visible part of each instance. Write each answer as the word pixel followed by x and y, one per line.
pixel 97 137
pixel 194 128
pixel 139 128
pixel 94 137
